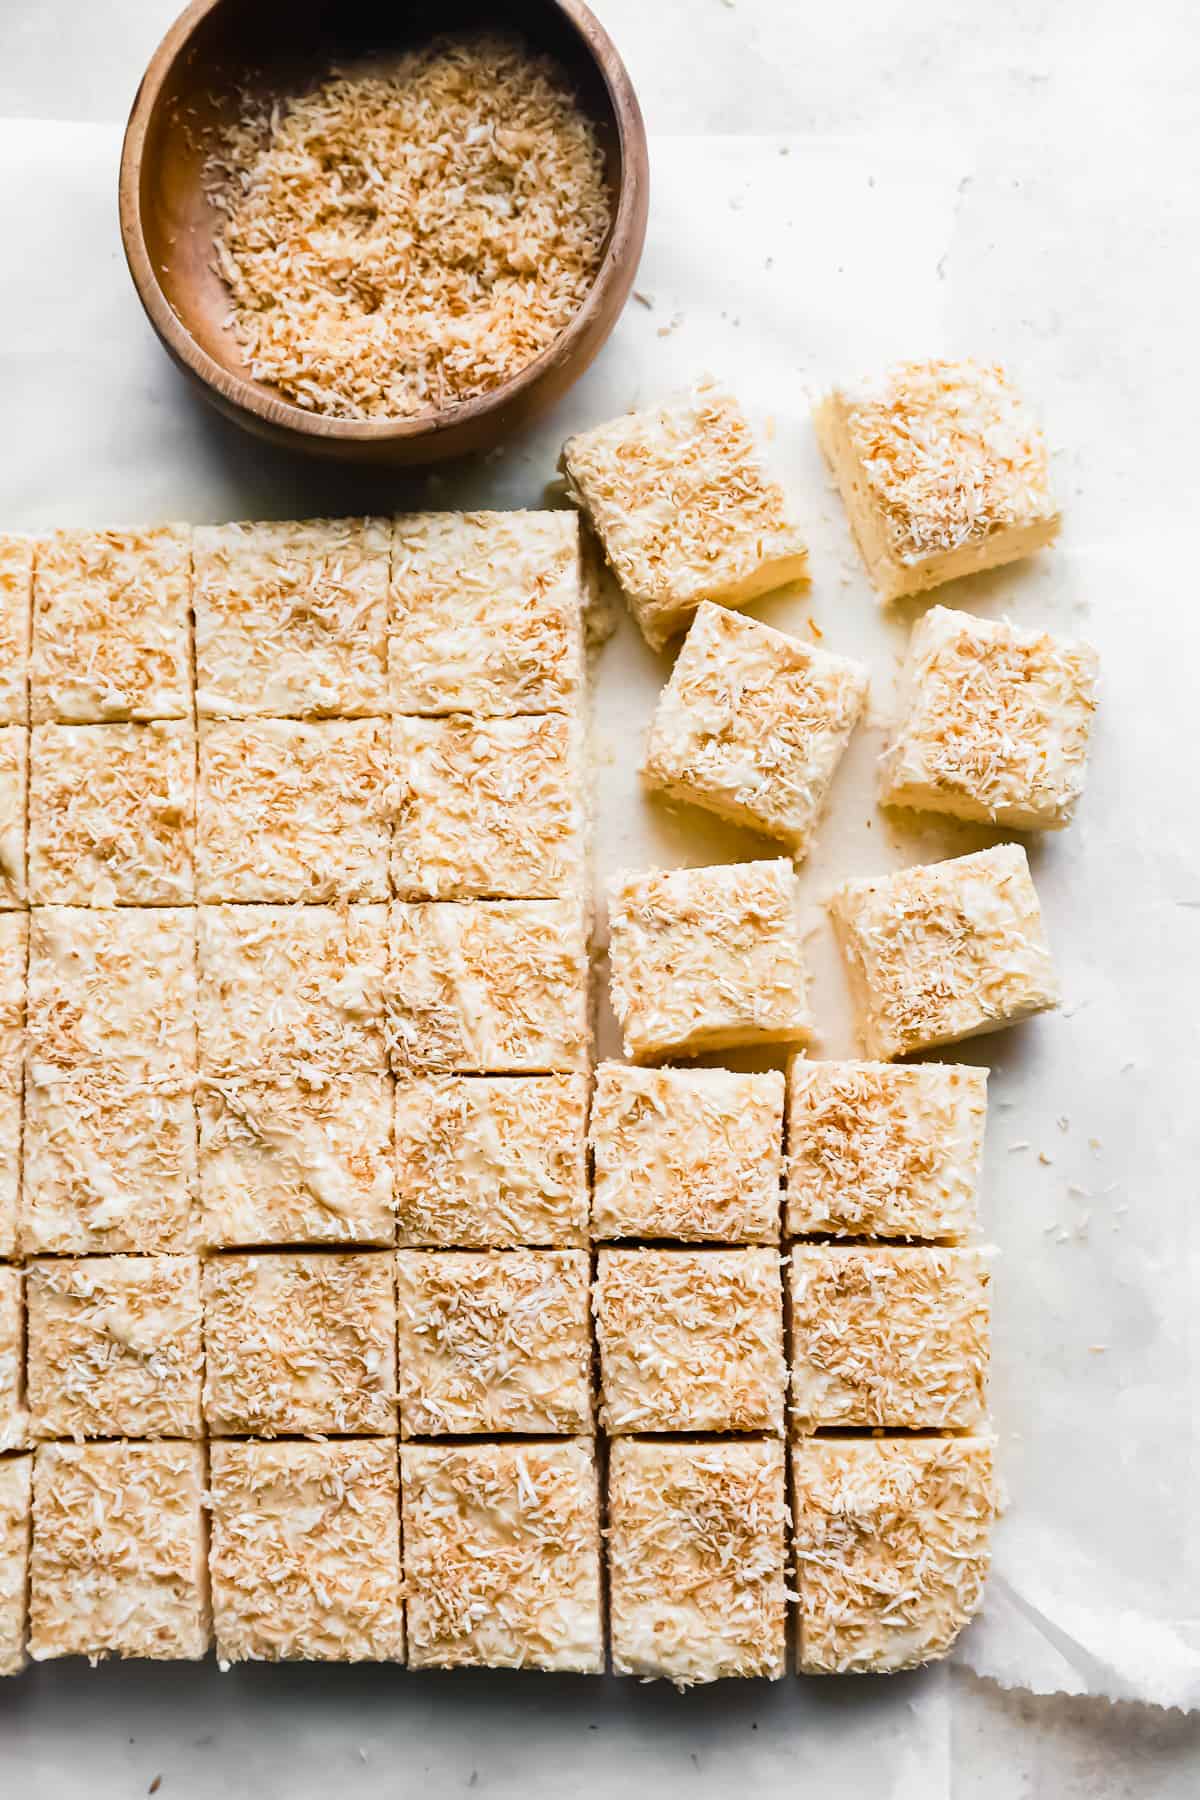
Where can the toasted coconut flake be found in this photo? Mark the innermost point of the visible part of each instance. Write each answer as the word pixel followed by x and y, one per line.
pixel 16 1506
pixel 16 599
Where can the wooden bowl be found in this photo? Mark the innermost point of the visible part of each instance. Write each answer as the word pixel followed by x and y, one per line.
pixel 198 79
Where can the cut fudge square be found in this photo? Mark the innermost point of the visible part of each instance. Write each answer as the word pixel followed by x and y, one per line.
pixel 111 626
pixel 705 958
pixel 995 725
pixel 696 1553
pixel 491 1162
pixel 290 810
pixel 494 1341
pixel 10 1161
pixel 14 1421
pixel 690 1340
pixel 685 509
pixel 305 1555
pixel 892 1541
pixel 119 1564
pixel 502 1556
pixel 300 1346
pixel 488 808
pixel 943 952
pixel 296 1162
pixel 489 986
pixel 486 613
pixel 291 619
pixel 752 725
pixel 16 600
pixel 14 782
pixel 883 1150
pixel 943 472
pixel 112 814
pixel 115 1347
pixel 693 1154
pixel 16 1510
pixel 113 986
pixel 14 956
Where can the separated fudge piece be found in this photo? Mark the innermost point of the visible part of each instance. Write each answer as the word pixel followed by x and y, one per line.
pixel 14 948
pixel 16 1508
pixel 944 952
pixel 694 1154
pixel 291 619
pixel 690 1340
pixel 892 1548
pixel 16 599
pixel 305 1556
pixel 685 509
pixel 696 1559
pixel 493 1341
pixel 942 470
pixel 14 1421
pixel 705 958
pixel 502 1556
pixel 484 1163
pixel 996 723
pixel 10 1160
pixel 113 987
pixel 14 782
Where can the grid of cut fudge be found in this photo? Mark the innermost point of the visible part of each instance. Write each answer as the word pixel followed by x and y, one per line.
pixel 892 1540
pixel 945 951
pixel 502 1556
pixel 14 945
pixel 488 986
pixel 690 1340
pixel 705 958
pixel 685 509
pixel 491 1162
pixel 995 723
pixel 493 1341
pixel 14 1420
pixel 883 1150
pixel 119 1565
pixel 752 725
pixel 300 1345
pixel 291 618
pixel 486 613
pixel 305 1558
pixel 16 1508
pixel 693 1154
pixel 943 472
pixel 293 810
pixel 113 986
pixel 16 591
pixel 696 1555
pixel 14 781
pixel 111 628
pixel 488 808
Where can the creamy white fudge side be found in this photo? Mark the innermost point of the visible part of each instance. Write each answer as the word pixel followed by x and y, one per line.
pixel 16 1518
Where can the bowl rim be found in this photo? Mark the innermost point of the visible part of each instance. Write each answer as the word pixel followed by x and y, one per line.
pixel 281 414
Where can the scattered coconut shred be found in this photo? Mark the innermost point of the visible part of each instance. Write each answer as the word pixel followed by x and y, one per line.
pixel 397 242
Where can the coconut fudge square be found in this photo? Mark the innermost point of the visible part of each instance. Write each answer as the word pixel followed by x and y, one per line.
pixel 945 951
pixel 491 1162
pixel 488 987
pixel 488 809
pixel 300 1345
pixel 14 946
pixel 14 784
pixel 486 613
pixel 115 1347
pixel 112 986
pixel 685 509
pixel 13 1417
pixel 883 1150
pixel 690 1340
pixel 294 810
pixel 892 1544
pixel 753 724
pixel 494 1341
pixel 10 1166
pixel 502 1556
pixel 111 626
pixel 701 959
pixel 16 1509
pixel 303 1161
pixel 995 725
pixel 696 1554
pixel 942 470
pixel 305 1557
pixel 16 602
pixel 291 619
pixel 692 1154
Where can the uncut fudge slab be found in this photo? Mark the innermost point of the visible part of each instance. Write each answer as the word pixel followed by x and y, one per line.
pixel 16 1507
pixel 945 951
pixel 14 784
pixel 942 470
pixel 16 599
pixel 685 509
pixel 502 1556
pixel 14 1420
pixel 892 1544
pixel 752 725
pixel 696 1554
pixel 305 1557
pixel 702 959
pixel 112 987
pixel 995 724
